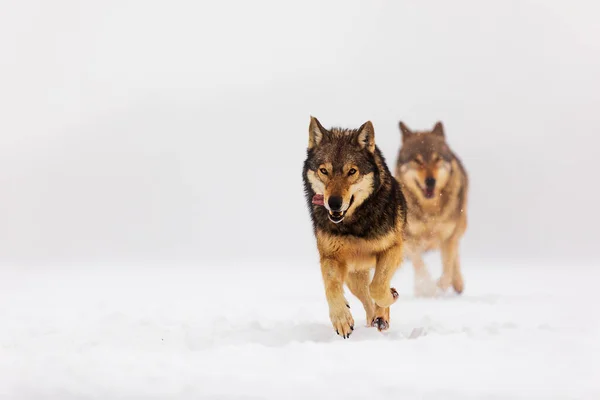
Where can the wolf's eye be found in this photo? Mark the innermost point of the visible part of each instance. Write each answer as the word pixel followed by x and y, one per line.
pixel 323 171
pixel 417 161
pixel 351 172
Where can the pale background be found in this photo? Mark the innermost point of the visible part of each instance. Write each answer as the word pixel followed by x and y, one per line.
pixel 174 132
pixel 154 237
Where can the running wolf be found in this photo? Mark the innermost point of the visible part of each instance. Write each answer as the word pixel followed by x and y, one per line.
pixel 358 213
pixel 435 184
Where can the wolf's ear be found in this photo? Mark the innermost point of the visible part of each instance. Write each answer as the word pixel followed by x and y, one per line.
pixel 316 132
pixel 366 136
pixel 406 133
pixel 438 129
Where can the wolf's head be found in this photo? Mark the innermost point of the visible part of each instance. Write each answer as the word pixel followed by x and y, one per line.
pixel 340 168
pixel 424 162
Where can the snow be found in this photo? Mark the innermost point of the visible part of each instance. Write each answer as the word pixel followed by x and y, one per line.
pixel 250 332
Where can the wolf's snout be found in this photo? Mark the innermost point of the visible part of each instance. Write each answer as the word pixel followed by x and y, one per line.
pixel 430 182
pixel 335 203
pixel 429 190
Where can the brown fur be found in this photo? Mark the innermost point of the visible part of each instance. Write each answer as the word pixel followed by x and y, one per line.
pixel 438 222
pixel 369 235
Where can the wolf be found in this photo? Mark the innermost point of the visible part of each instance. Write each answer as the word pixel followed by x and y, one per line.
pixel 358 214
pixel 435 184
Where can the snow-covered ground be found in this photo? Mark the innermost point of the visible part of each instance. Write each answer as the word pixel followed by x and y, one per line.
pixel 253 332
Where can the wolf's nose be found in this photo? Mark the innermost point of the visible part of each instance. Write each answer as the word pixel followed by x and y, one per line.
pixel 430 182
pixel 335 203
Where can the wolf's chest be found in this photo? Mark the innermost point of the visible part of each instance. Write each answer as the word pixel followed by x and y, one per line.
pixel 429 234
pixel 355 250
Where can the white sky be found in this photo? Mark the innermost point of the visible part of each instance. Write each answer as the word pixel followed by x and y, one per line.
pixel 176 131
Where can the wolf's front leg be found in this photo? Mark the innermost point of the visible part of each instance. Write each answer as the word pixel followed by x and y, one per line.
pixel 424 285
pixel 381 292
pixel 449 258
pixel 339 310
pixel 457 279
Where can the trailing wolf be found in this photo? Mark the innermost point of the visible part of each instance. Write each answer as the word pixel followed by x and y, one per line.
pixel 358 213
pixel 435 184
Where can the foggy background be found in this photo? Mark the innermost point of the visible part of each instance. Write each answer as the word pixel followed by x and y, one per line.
pixel 174 132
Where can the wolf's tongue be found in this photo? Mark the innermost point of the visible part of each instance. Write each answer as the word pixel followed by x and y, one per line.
pixel 429 192
pixel 318 199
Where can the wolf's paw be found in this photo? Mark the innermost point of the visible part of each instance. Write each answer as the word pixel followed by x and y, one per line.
pixel 380 323
pixel 444 283
pixel 425 288
pixel 384 298
pixel 342 322
pixel 458 284
pixel 381 318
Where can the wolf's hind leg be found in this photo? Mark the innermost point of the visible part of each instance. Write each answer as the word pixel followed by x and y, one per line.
pixel 339 312
pixel 358 283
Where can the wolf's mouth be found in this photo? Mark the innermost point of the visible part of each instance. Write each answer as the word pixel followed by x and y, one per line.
pixel 428 191
pixel 338 216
